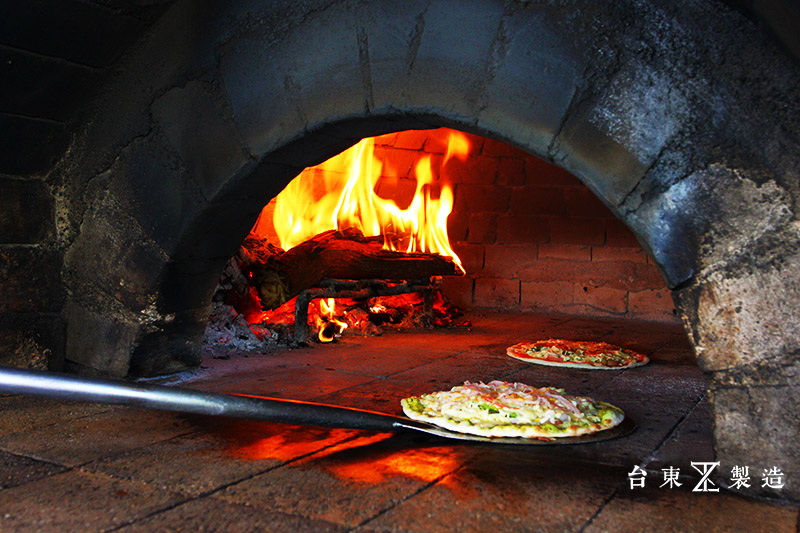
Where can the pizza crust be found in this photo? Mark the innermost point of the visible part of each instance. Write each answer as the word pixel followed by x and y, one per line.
pixel 521 351
pixel 583 366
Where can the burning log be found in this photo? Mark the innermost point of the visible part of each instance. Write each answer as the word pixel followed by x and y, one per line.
pixel 279 275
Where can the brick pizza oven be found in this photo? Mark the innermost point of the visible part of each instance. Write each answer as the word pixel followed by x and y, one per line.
pixel 671 132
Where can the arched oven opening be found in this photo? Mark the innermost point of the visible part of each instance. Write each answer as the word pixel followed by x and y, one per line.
pixel 519 234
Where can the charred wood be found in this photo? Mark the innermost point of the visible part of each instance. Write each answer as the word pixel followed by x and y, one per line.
pixel 278 275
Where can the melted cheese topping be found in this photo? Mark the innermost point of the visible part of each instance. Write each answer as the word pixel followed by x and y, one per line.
pixel 499 403
pixel 559 352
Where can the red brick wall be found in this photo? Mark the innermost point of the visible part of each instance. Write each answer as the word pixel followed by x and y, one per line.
pixel 532 237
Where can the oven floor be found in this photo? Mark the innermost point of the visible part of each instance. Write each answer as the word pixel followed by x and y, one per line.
pixel 69 467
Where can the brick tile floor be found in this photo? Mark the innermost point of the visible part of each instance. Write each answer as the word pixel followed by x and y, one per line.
pixel 75 467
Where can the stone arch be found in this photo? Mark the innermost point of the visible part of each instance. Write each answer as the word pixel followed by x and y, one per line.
pixel 635 100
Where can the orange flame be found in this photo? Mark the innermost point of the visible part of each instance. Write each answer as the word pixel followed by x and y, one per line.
pixel 329 326
pixel 340 193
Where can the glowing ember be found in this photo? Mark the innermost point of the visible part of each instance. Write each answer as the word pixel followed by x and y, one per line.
pixel 377 308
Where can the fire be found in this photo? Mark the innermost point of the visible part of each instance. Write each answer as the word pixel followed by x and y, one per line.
pixel 340 193
pixel 350 191
pixel 329 326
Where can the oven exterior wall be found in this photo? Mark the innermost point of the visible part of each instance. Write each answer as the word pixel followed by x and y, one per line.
pixel 680 116
pixel 54 56
pixel 32 293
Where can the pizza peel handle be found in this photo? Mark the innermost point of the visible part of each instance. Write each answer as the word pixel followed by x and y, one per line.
pixel 151 396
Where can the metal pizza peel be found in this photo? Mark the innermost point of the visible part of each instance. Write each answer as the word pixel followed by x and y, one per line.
pixel 152 396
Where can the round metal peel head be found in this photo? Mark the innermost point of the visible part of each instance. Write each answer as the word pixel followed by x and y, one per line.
pixel 624 428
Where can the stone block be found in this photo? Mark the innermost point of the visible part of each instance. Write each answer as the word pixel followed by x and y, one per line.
pixel 540 172
pixel 664 509
pixel 603 298
pixel 581 202
pixel 189 284
pixel 648 276
pixel 482 228
pixel 400 190
pixel 397 163
pixel 507 261
pixel 32 341
pixel 288 79
pixel 34 412
pixel 758 303
pixel 438 142
pixel 495 148
pixel 613 253
pixel 412 139
pixel 88 34
pixel 202 133
pixel 619 235
pixel 76 500
pixel 535 72
pixel 692 439
pixel 393 32
pixel 480 198
pixel 546 294
pixel 471 255
pixel 756 425
pixel 443 71
pixel 256 184
pixel 511 172
pixel 37 145
pixel 652 304
pixel 212 514
pixel 496 293
pixel 98 340
pixel 150 183
pixel 97 435
pixel 458 290
pixel 31 279
pixel 27 208
pixel 569 502
pixel 113 253
pixel 537 200
pixel 219 230
pixel 617 275
pixel 521 229
pixel 323 487
pixel 474 169
pixel 43 87
pixel 573 230
pixel 312 149
pixel 699 221
pixel 171 343
pixel 573 252
pixel 612 159
pixel 17 470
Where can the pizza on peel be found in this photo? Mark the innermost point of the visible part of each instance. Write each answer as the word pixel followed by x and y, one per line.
pixel 502 409
pixel 577 354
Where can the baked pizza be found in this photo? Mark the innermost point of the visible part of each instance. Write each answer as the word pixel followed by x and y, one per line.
pixel 502 409
pixel 575 354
